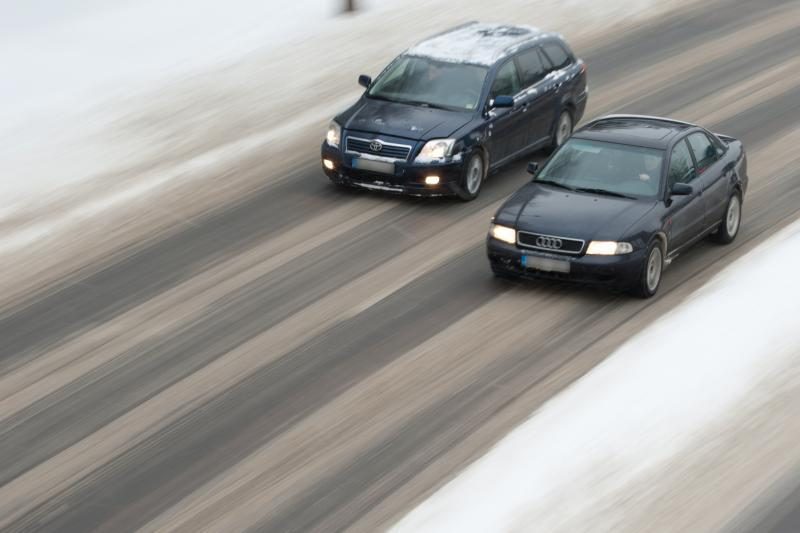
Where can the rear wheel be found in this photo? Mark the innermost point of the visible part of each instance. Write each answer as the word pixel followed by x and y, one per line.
pixel 650 277
pixel 729 226
pixel 472 179
pixel 563 130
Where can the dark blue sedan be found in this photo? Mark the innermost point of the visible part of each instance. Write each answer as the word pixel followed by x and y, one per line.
pixel 622 198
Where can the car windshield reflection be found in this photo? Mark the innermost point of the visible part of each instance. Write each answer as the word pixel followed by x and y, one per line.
pixel 426 82
pixel 605 168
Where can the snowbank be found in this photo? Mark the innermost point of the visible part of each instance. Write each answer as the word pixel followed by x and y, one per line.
pixel 580 462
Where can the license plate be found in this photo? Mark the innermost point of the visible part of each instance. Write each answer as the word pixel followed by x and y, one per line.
pixel 381 167
pixel 545 264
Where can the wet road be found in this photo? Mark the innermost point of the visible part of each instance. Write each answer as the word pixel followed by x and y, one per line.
pixel 312 360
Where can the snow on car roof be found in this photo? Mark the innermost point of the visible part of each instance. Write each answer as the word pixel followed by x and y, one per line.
pixel 476 43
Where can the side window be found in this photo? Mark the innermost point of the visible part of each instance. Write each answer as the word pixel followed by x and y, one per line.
pixel 507 81
pixel 705 153
pixel 557 55
pixel 531 66
pixel 681 167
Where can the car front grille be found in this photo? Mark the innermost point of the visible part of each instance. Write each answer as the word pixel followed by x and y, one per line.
pixel 549 243
pixel 376 147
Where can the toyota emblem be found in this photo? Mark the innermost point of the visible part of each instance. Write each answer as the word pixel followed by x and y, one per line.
pixel 376 146
pixel 549 242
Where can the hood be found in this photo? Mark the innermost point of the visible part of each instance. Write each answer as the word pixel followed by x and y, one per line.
pixel 552 211
pixel 402 120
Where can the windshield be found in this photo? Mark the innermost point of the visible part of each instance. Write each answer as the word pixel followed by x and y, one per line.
pixel 424 81
pixel 605 168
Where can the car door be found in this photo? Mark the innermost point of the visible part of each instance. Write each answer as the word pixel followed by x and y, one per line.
pixel 711 176
pixel 506 125
pixel 685 213
pixel 556 82
pixel 538 104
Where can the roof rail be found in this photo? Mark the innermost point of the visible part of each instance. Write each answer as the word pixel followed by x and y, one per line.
pixel 643 117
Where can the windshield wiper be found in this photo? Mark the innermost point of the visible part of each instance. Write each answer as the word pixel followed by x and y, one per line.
pixel 555 184
pixel 425 104
pixel 605 192
pixel 380 97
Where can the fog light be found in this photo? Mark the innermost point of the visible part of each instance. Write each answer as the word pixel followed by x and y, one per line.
pixel 328 164
pixel 432 180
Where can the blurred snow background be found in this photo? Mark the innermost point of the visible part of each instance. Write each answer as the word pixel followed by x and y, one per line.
pixel 63 61
pixel 105 101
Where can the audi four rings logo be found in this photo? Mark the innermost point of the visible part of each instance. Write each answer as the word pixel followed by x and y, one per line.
pixel 376 146
pixel 549 242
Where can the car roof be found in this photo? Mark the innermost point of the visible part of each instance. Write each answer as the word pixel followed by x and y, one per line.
pixel 477 43
pixel 636 130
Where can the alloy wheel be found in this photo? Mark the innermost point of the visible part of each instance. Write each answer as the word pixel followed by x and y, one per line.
pixel 654 266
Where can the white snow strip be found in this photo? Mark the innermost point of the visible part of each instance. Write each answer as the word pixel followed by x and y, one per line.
pixel 579 462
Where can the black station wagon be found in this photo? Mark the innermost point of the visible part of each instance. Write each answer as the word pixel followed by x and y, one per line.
pixel 451 109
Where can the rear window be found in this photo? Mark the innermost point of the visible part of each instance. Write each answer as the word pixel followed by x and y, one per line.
pixel 557 55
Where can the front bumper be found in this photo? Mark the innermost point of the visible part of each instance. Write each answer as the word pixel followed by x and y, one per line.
pixel 408 178
pixel 619 271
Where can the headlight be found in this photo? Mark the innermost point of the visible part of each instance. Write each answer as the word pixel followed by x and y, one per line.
pixel 334 135
pixel 609 248
pixel 503 233
pixel 435 150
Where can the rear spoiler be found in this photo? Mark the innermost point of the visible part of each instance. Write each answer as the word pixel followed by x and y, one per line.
pixel 727 139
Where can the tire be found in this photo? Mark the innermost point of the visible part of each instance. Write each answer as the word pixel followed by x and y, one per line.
pixel 731 221
pixel 472 178
pixel 562 130
pixel 651 272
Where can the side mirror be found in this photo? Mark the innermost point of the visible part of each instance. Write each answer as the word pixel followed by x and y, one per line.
pixel 681 189
pixel 533 168
pixel 364 81
pixel 503 101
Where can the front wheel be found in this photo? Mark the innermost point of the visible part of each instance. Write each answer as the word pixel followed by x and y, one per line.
pixel 650 277
pixel 472 179
pixel 729 226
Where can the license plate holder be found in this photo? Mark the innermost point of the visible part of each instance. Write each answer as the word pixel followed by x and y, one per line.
pixel 545 264
pixel 381 167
